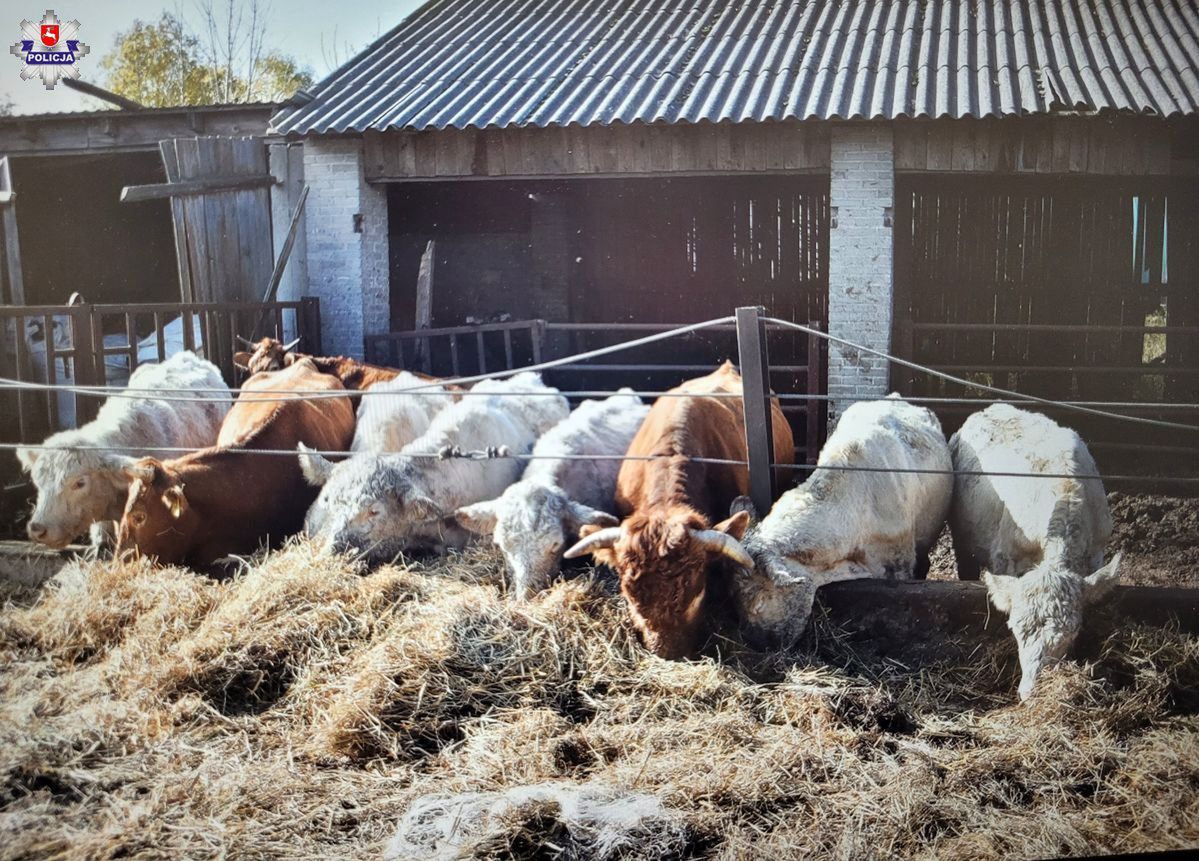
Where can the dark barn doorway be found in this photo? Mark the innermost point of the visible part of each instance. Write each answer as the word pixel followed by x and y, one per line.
pixel 628 251
pixel 604 261
pixel 76 235
pixel 1079 289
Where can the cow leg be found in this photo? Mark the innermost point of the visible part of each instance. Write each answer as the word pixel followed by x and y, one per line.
pixel 967 565
pixel 923 563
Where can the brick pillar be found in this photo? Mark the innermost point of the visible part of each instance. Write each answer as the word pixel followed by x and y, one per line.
pixel 862 194
pixel 346 225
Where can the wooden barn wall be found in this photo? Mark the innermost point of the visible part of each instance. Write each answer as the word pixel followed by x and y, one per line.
pixel 624 150
pixel 1117 146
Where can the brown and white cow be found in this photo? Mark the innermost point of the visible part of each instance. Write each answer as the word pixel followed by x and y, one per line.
pixel 221 500
pixel 272 355
pixel 668 548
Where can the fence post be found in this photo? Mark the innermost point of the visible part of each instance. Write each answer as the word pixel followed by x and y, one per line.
pixel 310 324
pixel 759 432
pixel 89 360
pixel 813 406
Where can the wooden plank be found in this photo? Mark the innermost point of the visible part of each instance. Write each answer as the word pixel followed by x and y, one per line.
pixel 170 164
pixel 962 153
pixel 911 146
pixel 199 260
pixel 424 301
pixel 986 146
pixel 425 153
pixel 1077 160
pixel 404 157
pixel 284 255
pixel 1060 162
pixel 578 151
pixel 159 191
pixel 1043 162
pixel 250 211
pixel 939 147
pixel 755 364
pixel 12 245
pixel 1098 138
pixel 1157 153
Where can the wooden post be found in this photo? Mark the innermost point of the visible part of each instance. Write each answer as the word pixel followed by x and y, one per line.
pixel 12 247
pixel 309 324
pixel 89 362
pixel 424 304
pixel 814 406
pixel 759 436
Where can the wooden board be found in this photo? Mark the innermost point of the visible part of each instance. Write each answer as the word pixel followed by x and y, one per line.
pixel 619 150
pixel 1107 146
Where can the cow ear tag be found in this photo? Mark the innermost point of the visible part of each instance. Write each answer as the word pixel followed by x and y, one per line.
pixel 175 501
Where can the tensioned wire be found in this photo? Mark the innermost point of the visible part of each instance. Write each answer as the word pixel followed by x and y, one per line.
pixel 425 388
pixel 279 395
pixel 493 455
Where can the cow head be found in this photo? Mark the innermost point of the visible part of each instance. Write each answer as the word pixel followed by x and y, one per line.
pixel 265 355
pixel 1045 609
pixel 370 505
pixel 531 523
pixel 663 559
pixel 74 490
pixel 158 518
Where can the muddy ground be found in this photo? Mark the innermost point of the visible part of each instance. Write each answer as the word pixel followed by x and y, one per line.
pixel 1158 535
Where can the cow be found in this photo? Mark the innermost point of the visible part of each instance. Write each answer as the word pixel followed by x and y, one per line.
pixel 269 354
pixel 393 415
pixel 226 499
pixel 558 495
pixel 382 505
pixel 1042 540
pixel 668 548
pixel 81 490
pixel 853 518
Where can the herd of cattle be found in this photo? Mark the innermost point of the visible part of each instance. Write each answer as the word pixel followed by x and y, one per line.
pixel 657 493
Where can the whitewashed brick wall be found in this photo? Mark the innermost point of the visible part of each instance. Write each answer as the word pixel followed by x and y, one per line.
pixel 347 268
pixel 862 193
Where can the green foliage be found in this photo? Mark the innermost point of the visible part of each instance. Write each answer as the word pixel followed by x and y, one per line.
pixel 161 64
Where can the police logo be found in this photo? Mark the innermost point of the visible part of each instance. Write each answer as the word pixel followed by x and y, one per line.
pixel 49 50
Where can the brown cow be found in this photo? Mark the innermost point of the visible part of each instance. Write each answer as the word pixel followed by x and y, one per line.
pixel 271 355
pixel 666 545
pixel 216 501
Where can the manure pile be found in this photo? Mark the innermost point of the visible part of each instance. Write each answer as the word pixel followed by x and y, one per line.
pixel 302 710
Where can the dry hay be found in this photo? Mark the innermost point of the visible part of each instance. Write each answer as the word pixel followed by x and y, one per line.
pixel 302 709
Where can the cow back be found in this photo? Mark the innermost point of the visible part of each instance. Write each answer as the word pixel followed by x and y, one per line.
pixel 708 424
pixel 267 416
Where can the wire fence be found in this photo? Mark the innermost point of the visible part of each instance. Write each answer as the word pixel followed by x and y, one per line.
pixel 438 388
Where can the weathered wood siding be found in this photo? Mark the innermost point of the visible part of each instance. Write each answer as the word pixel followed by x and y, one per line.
pixel 620 150
pixel 1117 146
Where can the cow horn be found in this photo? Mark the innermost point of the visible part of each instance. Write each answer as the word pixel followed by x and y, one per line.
pixel 595 541
pixel 291 345
pixel 246 342
pixel 725 545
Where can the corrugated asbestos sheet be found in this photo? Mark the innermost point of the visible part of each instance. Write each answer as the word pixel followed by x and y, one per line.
pixel 497 63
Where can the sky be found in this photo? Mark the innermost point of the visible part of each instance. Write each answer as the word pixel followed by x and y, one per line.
pixel 315 32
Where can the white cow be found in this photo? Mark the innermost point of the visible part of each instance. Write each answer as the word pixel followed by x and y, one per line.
pixel 81 488
pixel 846 524
pixel 390 417
pixel 1040 539
pixel 382 505
pixel 532 520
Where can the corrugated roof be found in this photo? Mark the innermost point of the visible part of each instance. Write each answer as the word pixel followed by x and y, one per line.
pixel 497 63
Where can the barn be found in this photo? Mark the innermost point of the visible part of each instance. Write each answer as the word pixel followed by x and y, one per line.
pixel 1001 189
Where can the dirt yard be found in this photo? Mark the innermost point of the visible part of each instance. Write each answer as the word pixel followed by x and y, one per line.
pixel 1158 535
pixel 304 710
